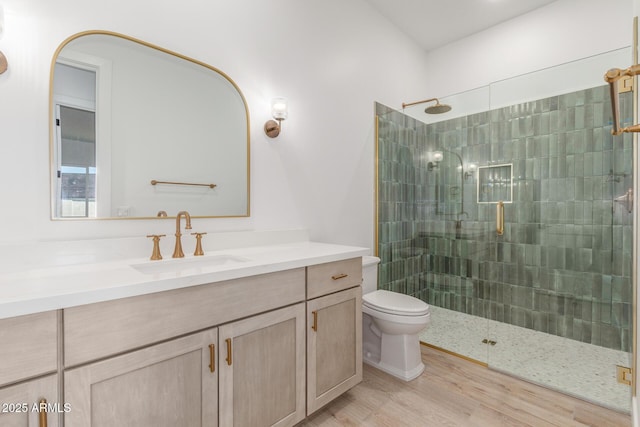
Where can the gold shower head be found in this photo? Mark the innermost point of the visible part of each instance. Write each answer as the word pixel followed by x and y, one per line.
pixel 438 108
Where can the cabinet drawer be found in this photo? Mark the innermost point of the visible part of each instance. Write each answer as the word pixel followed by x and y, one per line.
pixel 28 346
pixel 98 330
pixel 323 279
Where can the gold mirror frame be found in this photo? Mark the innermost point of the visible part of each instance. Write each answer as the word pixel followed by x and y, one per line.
pixel 52 127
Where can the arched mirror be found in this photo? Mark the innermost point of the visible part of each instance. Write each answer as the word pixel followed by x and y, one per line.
pixel 137 130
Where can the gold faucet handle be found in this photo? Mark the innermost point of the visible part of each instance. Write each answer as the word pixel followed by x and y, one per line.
pixel 199 250
pixel 155 255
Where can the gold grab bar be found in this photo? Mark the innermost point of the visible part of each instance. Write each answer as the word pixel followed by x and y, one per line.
pixel 229 354
pixel 612 76
pixel 42 417
pixel 212 357
pixel 154 182
pixel 500 218
pixel 315 321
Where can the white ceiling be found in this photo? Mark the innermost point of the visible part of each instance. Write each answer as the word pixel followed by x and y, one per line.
pixel 435 23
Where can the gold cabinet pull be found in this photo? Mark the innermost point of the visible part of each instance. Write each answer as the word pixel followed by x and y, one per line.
pixel 212 357
pixel 339 276
pixel 43 413
pixel 500 218
pixel 229 353
pixel 315 321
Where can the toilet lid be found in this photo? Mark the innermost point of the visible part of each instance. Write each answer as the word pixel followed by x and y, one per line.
pixel 395 303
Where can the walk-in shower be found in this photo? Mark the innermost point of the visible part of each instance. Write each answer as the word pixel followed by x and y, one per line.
pixel 547 296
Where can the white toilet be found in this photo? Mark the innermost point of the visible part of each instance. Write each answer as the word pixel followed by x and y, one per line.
pixel 391 323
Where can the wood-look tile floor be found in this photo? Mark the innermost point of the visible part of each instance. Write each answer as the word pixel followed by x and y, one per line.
pixel 455 392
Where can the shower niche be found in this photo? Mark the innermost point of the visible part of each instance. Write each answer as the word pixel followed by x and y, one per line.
pixel 495 183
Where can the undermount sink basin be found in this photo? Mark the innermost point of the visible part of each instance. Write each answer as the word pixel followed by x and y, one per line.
pixel 187 265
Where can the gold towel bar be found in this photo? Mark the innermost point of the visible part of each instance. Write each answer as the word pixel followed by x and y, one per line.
pixel 154 182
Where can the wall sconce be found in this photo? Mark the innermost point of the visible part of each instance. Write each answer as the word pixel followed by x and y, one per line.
pixel 471 170
pixel 279 111
pixel 436 158
pixel 3 59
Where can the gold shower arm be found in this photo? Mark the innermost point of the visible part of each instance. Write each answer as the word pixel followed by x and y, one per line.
pixel 405 105
pixel 612 76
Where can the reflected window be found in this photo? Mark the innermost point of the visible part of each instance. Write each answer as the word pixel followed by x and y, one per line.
pixel 77 162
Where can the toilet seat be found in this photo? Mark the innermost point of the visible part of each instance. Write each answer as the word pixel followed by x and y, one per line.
pixel 395 303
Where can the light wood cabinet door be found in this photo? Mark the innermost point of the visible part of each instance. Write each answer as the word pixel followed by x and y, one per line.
pixel 262 369
pixel 174 383
pixel 28 346
pixel 20 404
pixel 334 346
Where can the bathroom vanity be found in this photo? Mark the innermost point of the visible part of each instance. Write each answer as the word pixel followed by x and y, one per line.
pixel 257 336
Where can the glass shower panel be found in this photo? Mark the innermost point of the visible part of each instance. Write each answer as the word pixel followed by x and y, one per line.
pixel 549 300
pixel 562 290
pixel 430 242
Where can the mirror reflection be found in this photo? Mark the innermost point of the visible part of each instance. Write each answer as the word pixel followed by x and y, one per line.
pixel 137 129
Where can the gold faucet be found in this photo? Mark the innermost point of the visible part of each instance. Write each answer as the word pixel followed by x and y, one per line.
pixel 156 255
pixel 177 252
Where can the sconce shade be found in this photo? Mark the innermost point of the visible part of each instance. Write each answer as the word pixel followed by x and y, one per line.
pixel 438 156
pixel 279 111
pixel 279 108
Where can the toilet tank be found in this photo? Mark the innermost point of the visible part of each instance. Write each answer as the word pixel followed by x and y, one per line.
pixel 369 273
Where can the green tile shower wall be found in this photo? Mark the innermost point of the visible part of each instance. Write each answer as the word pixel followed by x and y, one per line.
pixel 563 265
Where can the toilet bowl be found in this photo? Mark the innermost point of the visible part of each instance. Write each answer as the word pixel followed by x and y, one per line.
pixel 391 323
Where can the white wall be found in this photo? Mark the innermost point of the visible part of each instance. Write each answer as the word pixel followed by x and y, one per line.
pixel 331 58
pixel 563 31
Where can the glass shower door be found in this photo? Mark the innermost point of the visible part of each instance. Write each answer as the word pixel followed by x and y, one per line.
pixel 563 265
pixel 550 299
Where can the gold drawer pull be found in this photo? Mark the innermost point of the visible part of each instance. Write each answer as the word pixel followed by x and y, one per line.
pixel 339 276
pixel 229 354
pixel 43 413
pixel 315 321
pixel 212 357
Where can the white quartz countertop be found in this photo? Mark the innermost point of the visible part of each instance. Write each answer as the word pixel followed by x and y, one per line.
pixel 55 287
